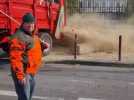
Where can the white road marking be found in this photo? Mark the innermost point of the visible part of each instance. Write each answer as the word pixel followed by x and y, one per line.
pixel 88 99
pixel 131 83
pixel 13 94
pixel 83 81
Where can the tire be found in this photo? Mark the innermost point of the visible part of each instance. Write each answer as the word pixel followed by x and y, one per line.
pixel 45 37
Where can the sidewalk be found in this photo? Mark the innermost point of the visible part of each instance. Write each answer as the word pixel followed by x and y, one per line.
pixel 110 61
pixel 92 61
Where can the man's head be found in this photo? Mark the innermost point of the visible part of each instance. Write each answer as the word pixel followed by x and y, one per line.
pixel 28 23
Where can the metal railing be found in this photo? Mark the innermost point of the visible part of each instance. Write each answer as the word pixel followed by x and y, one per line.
pixel 106 7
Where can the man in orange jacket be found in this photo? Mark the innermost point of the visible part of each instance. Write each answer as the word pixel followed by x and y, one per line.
pixel 25 57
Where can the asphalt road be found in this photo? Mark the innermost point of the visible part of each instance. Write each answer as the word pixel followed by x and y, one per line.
pixel 74 82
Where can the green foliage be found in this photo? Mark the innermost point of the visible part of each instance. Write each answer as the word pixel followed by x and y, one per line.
pixel 130 7
pixel 72 6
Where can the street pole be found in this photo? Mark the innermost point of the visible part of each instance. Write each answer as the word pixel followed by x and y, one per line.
pixel 75 47
pixel 120 48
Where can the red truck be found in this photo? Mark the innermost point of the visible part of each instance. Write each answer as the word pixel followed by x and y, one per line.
pixel 49 14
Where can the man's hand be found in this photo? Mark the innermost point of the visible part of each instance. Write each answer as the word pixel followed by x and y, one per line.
pixel 47 46
pixel 22 82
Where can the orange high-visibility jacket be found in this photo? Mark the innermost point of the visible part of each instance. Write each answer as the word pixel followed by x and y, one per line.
pixel 33 57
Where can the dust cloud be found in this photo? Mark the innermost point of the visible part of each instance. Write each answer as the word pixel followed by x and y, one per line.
pixel 97 34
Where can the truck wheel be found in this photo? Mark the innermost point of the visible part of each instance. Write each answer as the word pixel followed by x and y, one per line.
pixel 45 37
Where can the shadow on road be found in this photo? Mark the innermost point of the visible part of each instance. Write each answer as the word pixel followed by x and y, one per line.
pixel 94 63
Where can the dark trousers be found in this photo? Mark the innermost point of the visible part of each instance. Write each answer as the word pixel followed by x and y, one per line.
pixel 24 92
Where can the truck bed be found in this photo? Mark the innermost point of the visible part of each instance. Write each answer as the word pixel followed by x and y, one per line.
pixel 11 12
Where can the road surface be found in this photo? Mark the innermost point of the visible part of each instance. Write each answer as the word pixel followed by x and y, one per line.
pixel 74 82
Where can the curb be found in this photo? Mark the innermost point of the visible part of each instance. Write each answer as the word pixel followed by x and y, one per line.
pixel 93 63
pixel 84 62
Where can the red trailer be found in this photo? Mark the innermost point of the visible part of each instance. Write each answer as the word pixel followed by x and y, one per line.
pixel 49 14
